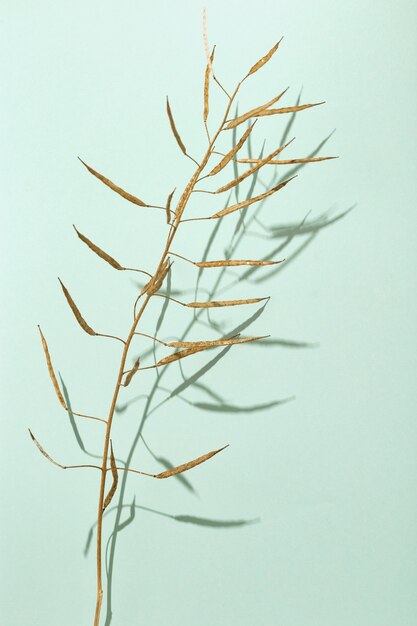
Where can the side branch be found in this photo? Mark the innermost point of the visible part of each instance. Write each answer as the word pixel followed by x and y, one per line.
pixel 47 456
pixel 175 470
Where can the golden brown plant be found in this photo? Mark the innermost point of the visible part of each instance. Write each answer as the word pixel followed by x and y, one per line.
pixel 175 218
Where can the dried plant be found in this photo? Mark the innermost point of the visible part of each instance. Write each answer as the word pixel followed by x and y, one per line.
pixel 159 284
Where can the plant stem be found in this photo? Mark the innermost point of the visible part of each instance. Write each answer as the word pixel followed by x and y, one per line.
pixel 183 202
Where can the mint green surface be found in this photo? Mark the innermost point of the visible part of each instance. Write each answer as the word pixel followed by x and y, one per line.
pixel 330 477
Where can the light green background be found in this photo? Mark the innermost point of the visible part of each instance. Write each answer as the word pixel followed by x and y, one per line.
pixel 331 475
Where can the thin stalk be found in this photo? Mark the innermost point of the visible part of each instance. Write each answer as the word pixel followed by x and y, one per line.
pixel 173 229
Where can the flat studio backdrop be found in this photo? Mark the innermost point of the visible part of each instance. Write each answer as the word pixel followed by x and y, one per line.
pixel 308 518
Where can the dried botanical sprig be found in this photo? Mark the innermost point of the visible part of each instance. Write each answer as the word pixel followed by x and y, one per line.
pixel 156 280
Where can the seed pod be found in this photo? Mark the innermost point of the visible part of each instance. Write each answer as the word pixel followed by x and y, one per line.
pixel 264 59
pixel 220 303
pixel 115 475
pixel 103 255
pixel 245 203
pixel 186 466
pixel 76 311
pixel 132 372
pixel 113 187
pixel 51 371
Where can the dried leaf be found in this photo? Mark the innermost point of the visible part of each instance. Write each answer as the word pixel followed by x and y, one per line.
pixel 132 372
pixel 76 311
pixel 213 343
pixel 229 156
pixel 119 190
pixel 219 303
pixel 253 112
pixel 264 59
pixel 244 203
pixel 206 86
pixel 293 109
pixel 233 263
pixel 260 163
pixel 174 128
pixel 168 206
pixel 189 465
pixel 115 475
pixel 103 255
pixel 51 371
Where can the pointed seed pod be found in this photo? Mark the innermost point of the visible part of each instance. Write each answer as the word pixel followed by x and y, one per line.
pixel 264 59
pixel 76 311
pixel 126 195
pixel 189 465
pixel 51 371
pixel 103 255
